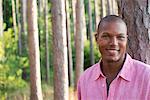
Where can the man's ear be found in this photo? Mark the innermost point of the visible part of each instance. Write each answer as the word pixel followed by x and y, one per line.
pixel 96 36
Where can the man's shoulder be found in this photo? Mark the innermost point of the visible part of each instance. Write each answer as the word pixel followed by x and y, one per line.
pixel 142 67
pixel 90 72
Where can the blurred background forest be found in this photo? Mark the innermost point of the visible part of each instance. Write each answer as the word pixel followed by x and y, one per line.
pixel 45 45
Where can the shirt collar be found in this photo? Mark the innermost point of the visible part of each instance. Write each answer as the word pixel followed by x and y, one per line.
pixel 125 72
pixel 98 71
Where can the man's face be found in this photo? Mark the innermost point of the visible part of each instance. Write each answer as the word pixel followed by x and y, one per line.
pixel 112 40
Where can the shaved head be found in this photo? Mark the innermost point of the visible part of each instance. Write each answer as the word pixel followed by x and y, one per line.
pixel 109 19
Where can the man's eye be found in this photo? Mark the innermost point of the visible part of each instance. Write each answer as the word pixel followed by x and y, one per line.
pixel 105 36
pixel 121 37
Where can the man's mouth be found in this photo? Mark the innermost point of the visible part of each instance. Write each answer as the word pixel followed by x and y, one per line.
pixel 112 51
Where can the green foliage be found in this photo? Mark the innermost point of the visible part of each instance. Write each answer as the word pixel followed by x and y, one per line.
pixel 87 54
pixel 10 65
pixel 7 13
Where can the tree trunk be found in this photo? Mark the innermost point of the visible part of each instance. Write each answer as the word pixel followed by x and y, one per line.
pixel 46 39
pixel 79 44
pixel 96 10
pixel 23 21
pixel 90 32
pixel 103 8
pixel 14 17
pixel 34 57
pixel 109 7
pixel 1 18
pixel 136 14
pixel 114 7
pixel 74 17
pixel 59 50
pixel 19 28
pixel 40 7
pixel 70 66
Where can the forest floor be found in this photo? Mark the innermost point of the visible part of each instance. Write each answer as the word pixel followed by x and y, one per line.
pixel 48 94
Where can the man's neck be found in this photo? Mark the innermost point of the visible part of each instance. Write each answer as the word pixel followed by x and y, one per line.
pixel 111 69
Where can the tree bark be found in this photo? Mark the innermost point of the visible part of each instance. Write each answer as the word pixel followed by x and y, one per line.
pixel 14 18
pixel 40 7
pixel 79 45
pixel 96 10
pixel 46 39
pixel 109 7
pixel 1 18
pixel 70 63
pixel 103 8
pixel 19 28
pixel 136 15
pixel 34 57
pixel 74 17
pixel 90 32
pixel 23 21
pixel 59 50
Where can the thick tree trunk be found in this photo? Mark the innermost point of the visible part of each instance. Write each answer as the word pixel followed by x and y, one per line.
pixel 79 45
pixel 59 50
pixel 34 57
pixel 90 32
pixel 46 39
pixel 136 14
pixel 70 63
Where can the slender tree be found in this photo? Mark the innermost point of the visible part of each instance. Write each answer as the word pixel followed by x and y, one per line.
pixel 40 7
pixel 96 12
pixel 23 21
pixel 109 7
pixel 103 8
pixel 136 15
pixel 19 27
pixel 79 45
pixel 59 50
pixel 46 39
pixel 1 17
pixel 90 32
pixel 70 63
pixel 34 57
pixel 73 2
pixel 14 17
pixel 114 7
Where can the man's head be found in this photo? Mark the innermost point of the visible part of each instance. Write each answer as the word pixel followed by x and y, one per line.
pixel 111 38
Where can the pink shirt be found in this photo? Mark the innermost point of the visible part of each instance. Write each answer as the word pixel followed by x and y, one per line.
pixel 132 83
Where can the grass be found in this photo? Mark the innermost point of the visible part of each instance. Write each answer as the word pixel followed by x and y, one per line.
pixel 48 93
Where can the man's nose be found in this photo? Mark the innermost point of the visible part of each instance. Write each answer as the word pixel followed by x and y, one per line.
pixel 113 41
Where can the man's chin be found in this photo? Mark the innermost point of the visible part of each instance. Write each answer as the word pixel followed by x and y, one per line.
pixel 114 59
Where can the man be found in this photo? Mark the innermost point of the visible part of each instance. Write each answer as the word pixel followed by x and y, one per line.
pixel 116 76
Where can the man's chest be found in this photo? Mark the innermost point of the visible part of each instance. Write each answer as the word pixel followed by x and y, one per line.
pixel 118 90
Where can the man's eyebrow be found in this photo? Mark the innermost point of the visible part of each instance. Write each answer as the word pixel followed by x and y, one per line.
pixel 105 33
pixel 122 34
